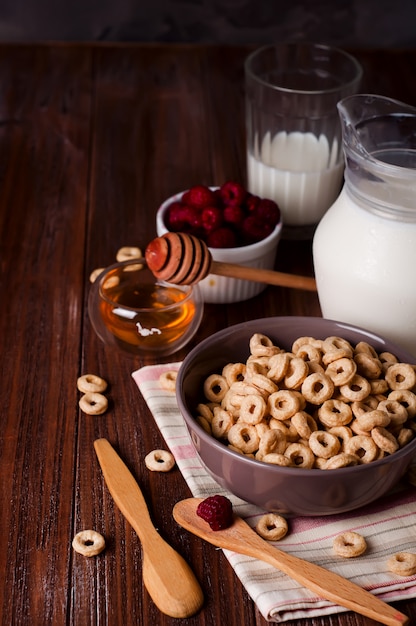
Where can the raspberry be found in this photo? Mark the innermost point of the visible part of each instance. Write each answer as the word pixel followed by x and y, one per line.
pixel 176 216
pixel 211 218
pixel 217 511
pixel 221 238
pixel 234 214
pixel 184 218
pixel 232 193
pixel 268 211
pixel 252 202
pixel 255 229
pixel 199 197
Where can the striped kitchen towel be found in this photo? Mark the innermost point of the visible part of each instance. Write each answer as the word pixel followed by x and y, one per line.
pixel 388 526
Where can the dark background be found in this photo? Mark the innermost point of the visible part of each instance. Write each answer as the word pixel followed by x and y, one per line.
pixel 349 23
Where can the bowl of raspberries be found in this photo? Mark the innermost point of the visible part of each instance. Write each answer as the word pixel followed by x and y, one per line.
pixel 236 225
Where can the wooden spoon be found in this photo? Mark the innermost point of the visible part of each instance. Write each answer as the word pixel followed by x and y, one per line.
pixel 241 538
pixel 183 259
pixel 167 577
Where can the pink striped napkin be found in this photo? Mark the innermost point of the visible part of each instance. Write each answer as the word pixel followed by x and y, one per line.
pixel 388 526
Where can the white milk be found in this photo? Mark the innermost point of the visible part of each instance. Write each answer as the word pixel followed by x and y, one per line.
pixel 298 171
pixel 365 271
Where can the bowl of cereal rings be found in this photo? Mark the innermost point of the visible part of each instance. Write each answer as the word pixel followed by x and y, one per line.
pixel 301 416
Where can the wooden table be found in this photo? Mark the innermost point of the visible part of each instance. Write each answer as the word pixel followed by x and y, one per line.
pixel 92 139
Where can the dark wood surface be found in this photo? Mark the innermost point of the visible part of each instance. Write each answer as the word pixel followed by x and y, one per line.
pixel 92 139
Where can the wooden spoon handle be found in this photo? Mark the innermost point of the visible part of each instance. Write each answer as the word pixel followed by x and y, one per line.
pixel 269 277
pixel 326 584
pixel 166 575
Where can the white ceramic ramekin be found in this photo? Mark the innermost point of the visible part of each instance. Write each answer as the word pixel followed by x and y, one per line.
pixel 221 289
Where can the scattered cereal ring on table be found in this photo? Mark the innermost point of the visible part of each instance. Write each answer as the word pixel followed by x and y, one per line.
pixel 349 544
pixel 93 403
pixel 167 380
pixel 159 461
pixel 127 253
pixel 88 543
pixel 272 527
pixel 95 273
pixel 402 563
pixel 91 383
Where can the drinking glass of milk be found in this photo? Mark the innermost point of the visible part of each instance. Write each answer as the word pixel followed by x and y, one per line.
pixel 294 151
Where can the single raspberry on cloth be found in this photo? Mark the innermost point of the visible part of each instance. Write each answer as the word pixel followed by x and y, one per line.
pixel 217 511
pixel 199 196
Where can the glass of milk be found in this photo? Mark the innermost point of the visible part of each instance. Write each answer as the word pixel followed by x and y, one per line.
pixel 294 152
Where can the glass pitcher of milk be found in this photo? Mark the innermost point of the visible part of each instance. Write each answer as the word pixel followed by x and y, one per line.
pixel 364 248
pixel 294 152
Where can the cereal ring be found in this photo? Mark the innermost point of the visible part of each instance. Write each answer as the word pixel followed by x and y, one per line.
pixel 401 376
pixel 296 373
pixel 396 411
pixel 344 434
pixel 337 343
pixel 205 411
pixel 283 404
pixel 95 274
pixel 263 384
pixel 221 423
pixel 367 365
pixel 317 388
pixel 404 436
pixel 204 423
pixel 262 427
pixel 274 458
pixel 257 365
pixel 126 253
pixel 371 419
pixel 272 441
pixel 300 455
pixel 159 461
pixel 384 440
pixel 252 409
pixel 91 383
pixel 308 352
pixel 278 366
pixel 315 367
pixel 272 527
pixel 363 447
pixel 335 413
pixel 301 341
pixel 349 544
pixel 357 389
pixel 402 564
pixel 88 543
pixel 378 385
pixel 366 348
pixel 342 460
pixel 260 345
pixel 341 371
pixel 406 398
pixel 93 403
pixel 167 380
pixel 244 437
pixel 304 424
pixel 323 444
pixel 215 387
pixel 234 372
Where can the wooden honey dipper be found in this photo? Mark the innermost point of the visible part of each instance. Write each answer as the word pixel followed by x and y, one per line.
pixel 183 259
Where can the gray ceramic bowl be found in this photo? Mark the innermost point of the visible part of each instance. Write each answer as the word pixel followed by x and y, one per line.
pixel 291 491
